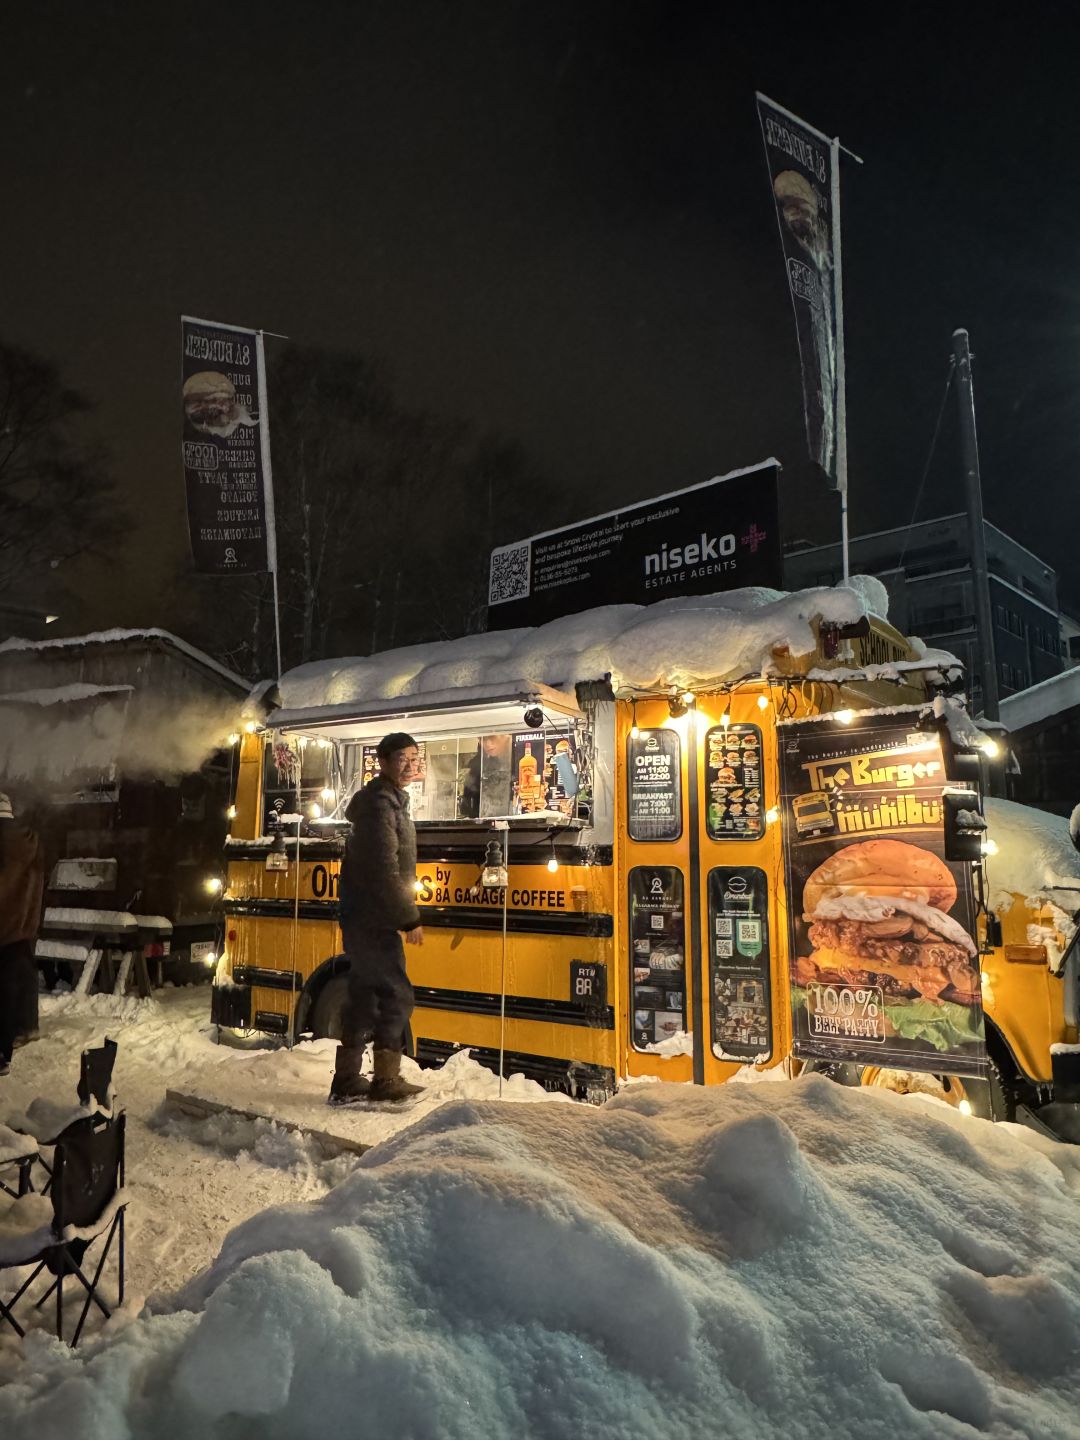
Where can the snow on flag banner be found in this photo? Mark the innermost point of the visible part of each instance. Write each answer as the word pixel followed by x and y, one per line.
pixel 223 448
pixel 800 164
pixel 883 959
pixel 720 535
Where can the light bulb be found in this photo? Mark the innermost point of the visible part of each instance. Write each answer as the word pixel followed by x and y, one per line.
pixel 230 813
pixel 250 727
pixel 418 885
pixel 965 1107
pixel 688 697
pixel 990 748
pixel 725 719
pixel 316 811
pixel 772 815
pixel 553 865
pixel 845 716
pixel 763 702
pixel 324 744
pixel 234 738
pixel 329 794
pixel 989 847
pixel 213 884
pixel 634 732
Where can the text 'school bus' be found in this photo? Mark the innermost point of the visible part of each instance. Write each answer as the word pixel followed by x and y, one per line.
pixel 653 841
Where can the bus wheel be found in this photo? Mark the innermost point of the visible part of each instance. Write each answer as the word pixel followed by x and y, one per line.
pixel 949 1088
pixel 328 1007
pixel 994 1098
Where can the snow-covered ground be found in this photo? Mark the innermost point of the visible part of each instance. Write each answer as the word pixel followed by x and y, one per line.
pixel 793 1259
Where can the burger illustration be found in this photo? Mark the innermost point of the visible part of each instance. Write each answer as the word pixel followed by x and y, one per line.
pixel 211 405
pixel 877 914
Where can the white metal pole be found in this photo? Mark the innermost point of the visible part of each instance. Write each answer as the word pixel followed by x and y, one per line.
pixel 841 392
pixel 268 489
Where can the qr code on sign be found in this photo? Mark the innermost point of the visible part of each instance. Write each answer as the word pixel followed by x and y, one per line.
pixel 510 573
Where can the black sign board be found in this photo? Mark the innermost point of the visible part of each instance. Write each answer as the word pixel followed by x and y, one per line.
pixel 228 495
pixel 739 963
pixel 658 955
pixel 654 781
pixel 800 161
pixel 588 984
pixel 882 939
pixel 733 786
pixel 720 535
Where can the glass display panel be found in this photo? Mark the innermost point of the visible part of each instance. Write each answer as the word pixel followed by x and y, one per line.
pixel 734 793
pixel 739 991
pixel 658 958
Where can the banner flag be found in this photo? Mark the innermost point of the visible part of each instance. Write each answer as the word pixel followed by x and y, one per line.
pixel 719 535
pixel 800 161
pixel 884 959
pixel 226 450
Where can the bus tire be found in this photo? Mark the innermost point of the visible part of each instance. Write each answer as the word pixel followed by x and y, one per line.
pixel 994 1098
pixel 329 1006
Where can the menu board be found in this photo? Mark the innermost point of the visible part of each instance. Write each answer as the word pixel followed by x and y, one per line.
pixel 739 962
pixel 735 797
pixel 658 954
pixel 654 781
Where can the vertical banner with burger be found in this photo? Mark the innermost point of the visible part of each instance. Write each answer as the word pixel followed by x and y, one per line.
pixel 884 964
pixel 226 449
pixel 800 161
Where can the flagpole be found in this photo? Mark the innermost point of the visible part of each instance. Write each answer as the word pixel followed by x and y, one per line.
pixel 841 375
pixel 268 490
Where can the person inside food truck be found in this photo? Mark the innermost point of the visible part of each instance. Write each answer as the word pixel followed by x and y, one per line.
pixel 378 906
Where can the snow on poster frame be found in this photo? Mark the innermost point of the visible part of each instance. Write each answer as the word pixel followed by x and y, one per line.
pixel 226 449
pixel 721 534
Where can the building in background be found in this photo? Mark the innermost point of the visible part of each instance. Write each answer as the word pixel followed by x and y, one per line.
pixel 926 569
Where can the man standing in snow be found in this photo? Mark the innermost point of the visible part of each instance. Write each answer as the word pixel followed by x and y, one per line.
pixel 22 882
pixel 378 903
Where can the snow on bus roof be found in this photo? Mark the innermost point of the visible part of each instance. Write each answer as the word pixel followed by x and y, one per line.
pixel 688 640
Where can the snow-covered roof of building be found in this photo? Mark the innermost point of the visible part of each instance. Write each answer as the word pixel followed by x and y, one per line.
pixel 686 641
pixel 1040 702
pixel 112 637
pixel 62 694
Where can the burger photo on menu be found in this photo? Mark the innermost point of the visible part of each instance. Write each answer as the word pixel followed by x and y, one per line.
pixel 876 916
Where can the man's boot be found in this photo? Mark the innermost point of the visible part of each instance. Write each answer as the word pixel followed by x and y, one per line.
pixel 387 1083
pixel 349 1085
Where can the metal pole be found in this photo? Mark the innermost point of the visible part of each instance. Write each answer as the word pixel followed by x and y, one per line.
pixel 268 489
pixel 841 374
pixel 980 578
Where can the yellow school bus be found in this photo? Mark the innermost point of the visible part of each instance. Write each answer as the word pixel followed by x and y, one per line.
pixel 641 835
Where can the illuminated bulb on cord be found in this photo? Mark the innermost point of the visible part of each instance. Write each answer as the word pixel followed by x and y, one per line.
pixel 553 865
pixel 965 1107
pixel 845 716
pixel 250 727
pixel 234 738
pixel 990 748
pixel 329 793
pixel 725 719
pixel 763 702
pixel 772 815
pixel 989 847
pixel 634 732
pixel 688 697
pixel 230 813
pixel 213 884
pixel 316 811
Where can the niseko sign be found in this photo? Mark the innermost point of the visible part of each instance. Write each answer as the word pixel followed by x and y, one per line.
pixel 720 535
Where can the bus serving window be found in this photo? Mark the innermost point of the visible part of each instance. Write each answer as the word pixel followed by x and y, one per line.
pixel 657 955
pixel 734 794
pixel 739 991
pixel 296 772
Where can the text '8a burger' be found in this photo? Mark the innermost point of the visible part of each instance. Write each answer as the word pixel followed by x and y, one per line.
pixel 877 913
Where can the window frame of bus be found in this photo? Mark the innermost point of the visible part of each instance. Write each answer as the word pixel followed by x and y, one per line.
pixel 679 904
pixel 758 968
pixel 631 741
pixel 735 729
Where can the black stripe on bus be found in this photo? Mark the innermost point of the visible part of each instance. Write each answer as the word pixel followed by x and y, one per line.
pixel 592 924
pixel 439 853
pixel 268 979
pixel 518 1007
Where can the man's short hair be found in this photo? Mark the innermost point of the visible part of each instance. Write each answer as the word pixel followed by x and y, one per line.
pixel 392 744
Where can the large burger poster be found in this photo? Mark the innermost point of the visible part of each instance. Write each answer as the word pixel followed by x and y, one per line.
pixel 884 966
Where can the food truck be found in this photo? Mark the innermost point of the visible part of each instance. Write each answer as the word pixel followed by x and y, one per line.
pixel 740 854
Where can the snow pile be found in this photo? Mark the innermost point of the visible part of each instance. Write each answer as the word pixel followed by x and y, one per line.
pixel 687 640
pixel 1035 856
pixel 790 1259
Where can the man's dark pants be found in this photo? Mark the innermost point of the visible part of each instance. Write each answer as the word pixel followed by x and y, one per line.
pixel 18 994
pixel 381 997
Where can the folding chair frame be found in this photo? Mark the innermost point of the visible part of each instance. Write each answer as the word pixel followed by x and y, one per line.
pixel 58 1258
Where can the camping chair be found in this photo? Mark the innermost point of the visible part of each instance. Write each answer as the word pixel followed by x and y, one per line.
pixel 87 1202
pixel 45 1119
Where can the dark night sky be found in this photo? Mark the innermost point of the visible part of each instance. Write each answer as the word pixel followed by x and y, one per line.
pixel 554 220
